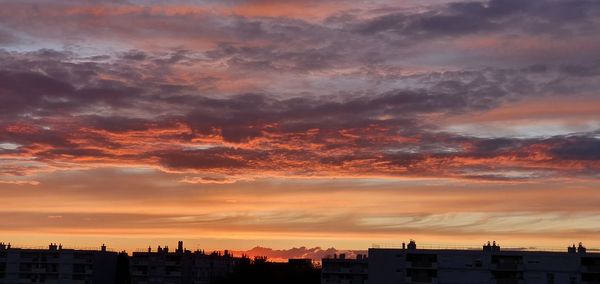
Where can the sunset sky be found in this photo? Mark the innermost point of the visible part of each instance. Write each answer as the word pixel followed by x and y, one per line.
pixel 241 123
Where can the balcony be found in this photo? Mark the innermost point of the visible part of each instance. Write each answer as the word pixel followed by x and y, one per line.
pixel 344 270
pixel 594 268
pixel 420 280
pixel 509 281
pixel 422 265
pixel 508 266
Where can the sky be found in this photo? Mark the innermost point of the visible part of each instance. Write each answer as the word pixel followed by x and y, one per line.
pixel 299 124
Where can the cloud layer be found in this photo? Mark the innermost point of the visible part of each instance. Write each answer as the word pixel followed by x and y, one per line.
pixel 60 113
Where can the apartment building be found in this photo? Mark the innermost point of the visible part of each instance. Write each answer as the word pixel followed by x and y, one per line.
pixel 342 270
pixel 179 266
pixel 56 265
pixel 491 264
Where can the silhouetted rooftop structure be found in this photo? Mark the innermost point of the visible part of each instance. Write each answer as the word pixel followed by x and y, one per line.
pixel 410 264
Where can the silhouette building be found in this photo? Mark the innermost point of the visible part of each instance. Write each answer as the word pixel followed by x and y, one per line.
pixel 56 265
pixel 410 264
pixel 340 269
pixel 180 266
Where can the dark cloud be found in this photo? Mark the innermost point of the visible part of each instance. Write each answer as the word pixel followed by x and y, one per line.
pixel 36 93
pixel 116 123
pixel 496 145
pixel 462 18
pixel 588 69
pixel 134 55
pixel 215 158
pixel 32 90
pixel 577 148
pixel 27 134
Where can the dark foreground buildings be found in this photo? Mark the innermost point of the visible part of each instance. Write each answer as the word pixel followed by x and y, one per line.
pixel 490 264
pixel 57 265
pixel 406 264
pixel 180 266
pixel 340 269
pixel 261 271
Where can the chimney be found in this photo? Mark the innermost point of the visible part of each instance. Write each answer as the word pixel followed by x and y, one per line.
pixel 103 248
pixel 180 247
pixel 412 245
pixel 581 248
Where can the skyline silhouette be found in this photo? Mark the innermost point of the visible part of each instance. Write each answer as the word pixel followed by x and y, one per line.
pixel 408 263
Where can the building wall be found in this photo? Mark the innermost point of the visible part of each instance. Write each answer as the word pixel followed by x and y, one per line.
pixel 344 271
pixel 386 266
pixel 157 268
pixel 179 267
pixel 57 266
pixel 398 266
pixel 207 269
